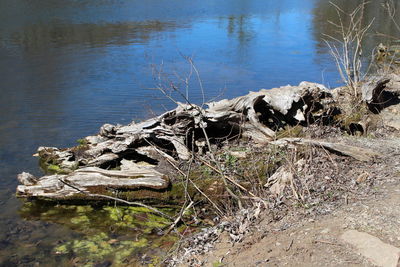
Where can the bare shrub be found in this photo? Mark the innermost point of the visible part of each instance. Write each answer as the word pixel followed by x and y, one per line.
pixel 347 49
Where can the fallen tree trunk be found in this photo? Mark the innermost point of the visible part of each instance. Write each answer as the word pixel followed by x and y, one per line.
pixel 91 180
pixel 114 159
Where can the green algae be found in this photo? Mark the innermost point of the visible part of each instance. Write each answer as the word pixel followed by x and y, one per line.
pixel 115 234
pixel 99 247
pixel 50 163
pixel 83 209
pixel 63 249
pixel 136 217
pixel 54 168
pixel 139 209
pixel 80 220
pixel 93 248
pixel 87 219
pixel 82 142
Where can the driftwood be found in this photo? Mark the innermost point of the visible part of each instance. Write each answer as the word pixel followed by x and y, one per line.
pixel 172 136
pixel 133 156
pixel 372 93
pixel 91 180
pixel 358 153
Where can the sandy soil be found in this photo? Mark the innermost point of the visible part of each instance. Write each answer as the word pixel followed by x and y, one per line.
pixel 315 241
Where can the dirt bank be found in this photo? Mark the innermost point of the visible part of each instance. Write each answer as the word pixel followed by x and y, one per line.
pixel 359 226
pixel 313 238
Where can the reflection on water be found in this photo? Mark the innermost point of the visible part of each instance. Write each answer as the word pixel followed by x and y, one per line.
pixel 69 66
pixel 382 30
pixel 38 37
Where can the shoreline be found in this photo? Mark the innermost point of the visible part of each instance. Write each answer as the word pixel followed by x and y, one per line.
pixel 213 150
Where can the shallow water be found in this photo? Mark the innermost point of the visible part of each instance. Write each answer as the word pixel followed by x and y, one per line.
pixel 69 66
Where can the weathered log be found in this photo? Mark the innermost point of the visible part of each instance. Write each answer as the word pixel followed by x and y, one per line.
pixel 372 93
pixel 268 110
pixel 171 136
pixel 256 115
pixel 361 154
pixel 62 159
pixel 91 180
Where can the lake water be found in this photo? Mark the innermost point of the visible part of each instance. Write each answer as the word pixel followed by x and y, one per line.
pixel 67 67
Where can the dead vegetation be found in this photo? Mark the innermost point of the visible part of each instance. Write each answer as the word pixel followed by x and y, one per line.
pixel 294 178
pixel 347 48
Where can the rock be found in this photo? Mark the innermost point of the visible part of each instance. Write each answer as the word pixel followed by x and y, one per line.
pixel 371 247
pixel 362 177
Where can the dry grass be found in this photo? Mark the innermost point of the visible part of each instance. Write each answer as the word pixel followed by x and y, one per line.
pixel 319 181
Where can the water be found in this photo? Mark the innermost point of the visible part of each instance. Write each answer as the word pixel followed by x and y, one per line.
pixel 69 66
